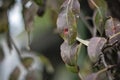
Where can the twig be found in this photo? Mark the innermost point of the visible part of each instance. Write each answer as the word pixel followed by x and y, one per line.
pixel 104 70
pixel 106 66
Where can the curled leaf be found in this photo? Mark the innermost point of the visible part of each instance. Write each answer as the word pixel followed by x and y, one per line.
pixel 94 47
pixel 69 53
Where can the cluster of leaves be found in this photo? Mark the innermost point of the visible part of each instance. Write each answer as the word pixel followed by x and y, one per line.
pixel 103 47
pixel 67 27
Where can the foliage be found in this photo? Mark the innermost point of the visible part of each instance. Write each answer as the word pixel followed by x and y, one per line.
pixel 102 48
pixel 91 43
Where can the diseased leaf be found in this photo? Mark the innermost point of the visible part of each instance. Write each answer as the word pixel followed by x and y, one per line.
pixel 112 26
pixel 69 53
pixel 61 21
pixel 94 47
pixel 72 28
pixel 66 22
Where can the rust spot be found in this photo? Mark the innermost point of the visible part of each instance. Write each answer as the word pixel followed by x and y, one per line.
pixel 65 31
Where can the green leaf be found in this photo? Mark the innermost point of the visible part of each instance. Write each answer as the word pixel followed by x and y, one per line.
pixel 99 16
pixel 98 22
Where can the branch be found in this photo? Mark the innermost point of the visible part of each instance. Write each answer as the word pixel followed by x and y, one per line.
pixel 106 66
